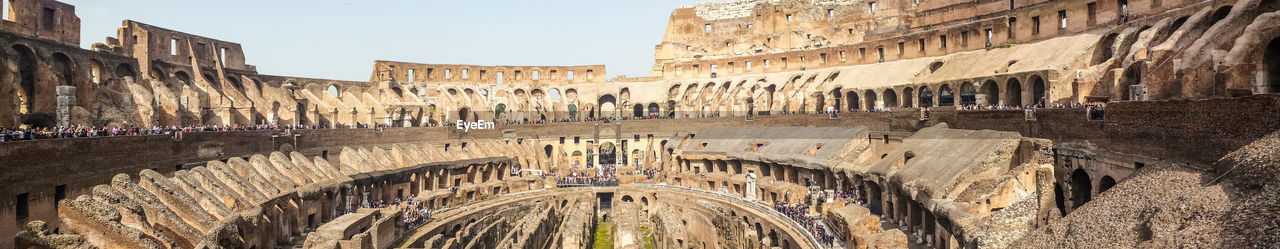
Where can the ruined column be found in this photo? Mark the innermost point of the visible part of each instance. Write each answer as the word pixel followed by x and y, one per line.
pixel 1260 81
pixel 66 100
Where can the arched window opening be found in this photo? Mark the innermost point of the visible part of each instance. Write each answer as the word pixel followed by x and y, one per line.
pixel 926 97
pixel 1013 93
pixel 945 96
pixel 968 94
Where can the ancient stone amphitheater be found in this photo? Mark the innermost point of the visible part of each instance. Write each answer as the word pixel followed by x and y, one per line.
pixel 763 124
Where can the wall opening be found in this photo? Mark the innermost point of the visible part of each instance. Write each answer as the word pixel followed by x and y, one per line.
pixel 1081 188
pixel 945 96
pixel 1271 58
pixel 968 94
pixel 1106 183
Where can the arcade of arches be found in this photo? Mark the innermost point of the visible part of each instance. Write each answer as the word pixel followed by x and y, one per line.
pixel 1152 126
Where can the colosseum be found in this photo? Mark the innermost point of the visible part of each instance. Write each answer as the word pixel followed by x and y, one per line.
pixel 792 124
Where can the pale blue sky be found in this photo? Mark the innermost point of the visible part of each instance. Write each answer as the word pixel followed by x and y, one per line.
pixel 341 39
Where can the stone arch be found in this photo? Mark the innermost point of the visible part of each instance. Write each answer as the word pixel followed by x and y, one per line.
pixel 671 108
pixel 27 79
pixel 158 73
pixel 1219 14
pixel 1106 183
pixel 236 82
pixel 333 90
pixel 553 94
pixel 654 109
pixel 95 71
pixel 1132 76
pixel 1038 88
pixel 870 99
pixel 1081 188
pixel 991 93
pixel 125 70
pixel 874 193
pixel 498 110
pixel 907 97
pixel 637 110
pixel 608 104
pixel 946 97
pixel 547 150
pixel 968 94
pixel 837 98
pixel 182 77
pixel 890 98
pixel 63 69
pixel 1013 92
pixel 1271 60
pixel 926 97
pixel 851 99
pixel 627 198
pixel 464 114
pixel 1105 50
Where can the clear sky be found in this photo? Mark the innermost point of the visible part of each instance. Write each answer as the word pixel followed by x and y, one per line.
pixel 341 39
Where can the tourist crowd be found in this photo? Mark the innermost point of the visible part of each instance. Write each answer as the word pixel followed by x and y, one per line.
pixel 799 213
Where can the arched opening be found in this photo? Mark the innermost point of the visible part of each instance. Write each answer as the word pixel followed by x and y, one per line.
pixel 907 94
pixel 27 83
pixel 1132 77
pixel 236 83
pixel 644 200
pixel 873 198
pixel 182 77
pixel 968 94
pixel 607 104
pixel 547 150
pixel 926 97
pixel 870 98
pixel 991 91
pixel 498 110
pixel 125 70
pixel 1060 199
pixel 573 111
pixel 839 100
pixel 851 99
pixel 95 71
pixel 1013 93
pixel 1219 14
pixel 62 69
pixel 627 198
pixel 553 95
pixel 464 114
pixel 1037 91
pixel 890 98
pixel 1106 183
pixel 671 108
pixel 1105 50
pixel 1081 188
pixel 608 154
pixel 945 96
pixel 333 91
pixel 637 110
pixel 576 158
pixel 158 74
pixel 1271 59
pixel 653 109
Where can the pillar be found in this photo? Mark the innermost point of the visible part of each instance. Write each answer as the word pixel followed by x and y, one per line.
pixel 66 100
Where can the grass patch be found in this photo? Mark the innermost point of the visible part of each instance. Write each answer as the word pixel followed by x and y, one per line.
pixel 604 238
pixel 647 240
